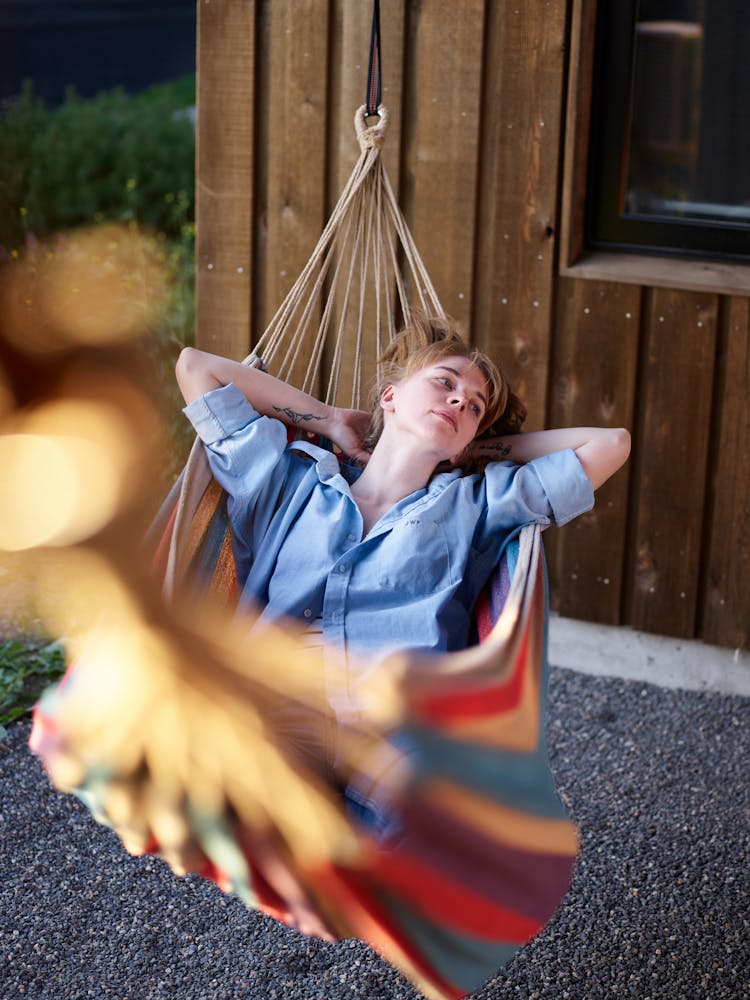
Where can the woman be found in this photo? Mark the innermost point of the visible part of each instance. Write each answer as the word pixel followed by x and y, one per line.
pixel 393 555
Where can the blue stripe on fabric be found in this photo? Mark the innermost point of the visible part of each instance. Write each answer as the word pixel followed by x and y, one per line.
pixel 511 555
pixel 523 781
pixel 462 960
pixel 207 555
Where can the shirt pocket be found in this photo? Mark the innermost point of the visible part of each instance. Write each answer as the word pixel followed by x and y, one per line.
pixel 415 559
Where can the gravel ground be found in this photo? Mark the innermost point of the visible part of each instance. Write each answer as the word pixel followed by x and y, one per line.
pixel 659 908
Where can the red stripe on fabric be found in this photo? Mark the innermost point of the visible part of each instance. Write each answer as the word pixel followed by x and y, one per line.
pixel 529 882
pixel 43 730
pixel 269 901
pixel 478 702
pixel 450 903
pixel 380 929
pixel 44 727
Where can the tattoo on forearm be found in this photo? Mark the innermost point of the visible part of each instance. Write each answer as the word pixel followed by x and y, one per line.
pixel 499 446
pixel 296 418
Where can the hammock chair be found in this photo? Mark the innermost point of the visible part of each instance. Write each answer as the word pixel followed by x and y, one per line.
pixel 485 851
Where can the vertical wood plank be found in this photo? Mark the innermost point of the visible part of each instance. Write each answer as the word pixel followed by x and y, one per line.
pixel 671 461
pixel 593 376
pixel 577 125
pixel 224 175
pixel 350 45
pixel 726 609
pixel 291 196
pixel 520 156
pixel 441 143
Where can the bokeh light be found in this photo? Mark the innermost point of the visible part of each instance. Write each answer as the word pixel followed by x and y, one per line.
pixel 71 464
pixel 96 287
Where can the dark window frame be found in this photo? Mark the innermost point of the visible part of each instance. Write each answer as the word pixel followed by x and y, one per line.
pixel 606 227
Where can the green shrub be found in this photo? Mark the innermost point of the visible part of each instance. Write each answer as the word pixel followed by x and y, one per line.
pixel 27 667
pixel 116 157
pixel 113 158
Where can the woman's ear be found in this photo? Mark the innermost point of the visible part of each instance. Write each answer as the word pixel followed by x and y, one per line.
pixel 386 398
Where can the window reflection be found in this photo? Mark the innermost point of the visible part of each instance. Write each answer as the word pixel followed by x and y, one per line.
pixel 688 149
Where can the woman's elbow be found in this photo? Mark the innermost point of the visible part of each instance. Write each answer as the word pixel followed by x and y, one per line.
pixel 613 454
pixel 191 373
pixel 604 453
pixel 620 445
pixel 185 362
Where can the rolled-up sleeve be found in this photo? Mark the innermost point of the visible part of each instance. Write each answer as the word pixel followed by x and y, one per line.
pixel 242 447
pixel 244 451
pixel 567 487
pixel 549 490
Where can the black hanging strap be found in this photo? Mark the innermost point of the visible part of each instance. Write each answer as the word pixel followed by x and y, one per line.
pixel 373 73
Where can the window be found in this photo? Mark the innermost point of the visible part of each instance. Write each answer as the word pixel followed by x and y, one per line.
pixel 669 165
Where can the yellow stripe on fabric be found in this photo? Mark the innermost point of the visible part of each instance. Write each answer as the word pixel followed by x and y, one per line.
pixel 200 521
pixel 224 576
pixel 502 824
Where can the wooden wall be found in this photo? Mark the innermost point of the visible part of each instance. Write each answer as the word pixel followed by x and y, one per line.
pixel 476 91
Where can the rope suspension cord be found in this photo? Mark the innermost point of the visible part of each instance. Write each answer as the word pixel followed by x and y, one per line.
pixel 354 292
pixel 365 266
pixel 348 302
pixel 372 101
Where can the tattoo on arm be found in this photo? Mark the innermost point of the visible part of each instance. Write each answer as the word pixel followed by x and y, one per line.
pixel 500 447
pixel 295 418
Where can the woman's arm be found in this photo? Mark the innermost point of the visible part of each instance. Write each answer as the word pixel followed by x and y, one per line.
pixel 600 450
pixel 199 372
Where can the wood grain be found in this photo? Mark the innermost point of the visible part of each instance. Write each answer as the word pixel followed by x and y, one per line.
pixel 593 377
pixel 477 94
pixel 441 141
pixel 293 96
pixel 670 466
pixel 350 44
pixel 577 124
pixel 350 49
pixel 518 192
pixel 224 175
pixel 726 610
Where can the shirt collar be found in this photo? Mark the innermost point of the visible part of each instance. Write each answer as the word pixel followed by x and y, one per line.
pixel 327 464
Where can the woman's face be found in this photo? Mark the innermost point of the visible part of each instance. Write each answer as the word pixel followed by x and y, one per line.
pixel 442 404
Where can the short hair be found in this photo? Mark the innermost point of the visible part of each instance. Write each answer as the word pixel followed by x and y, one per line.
pixel 422 342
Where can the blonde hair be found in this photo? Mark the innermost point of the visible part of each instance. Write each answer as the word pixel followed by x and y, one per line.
pixel 424 341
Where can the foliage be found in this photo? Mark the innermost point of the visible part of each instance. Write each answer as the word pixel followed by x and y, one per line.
pixel 27 667
pixel 113 158
pixel 116 157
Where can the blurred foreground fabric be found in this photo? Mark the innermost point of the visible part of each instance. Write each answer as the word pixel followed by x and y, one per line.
pixel 168 722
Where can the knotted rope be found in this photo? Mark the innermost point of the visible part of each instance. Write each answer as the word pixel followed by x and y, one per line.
pixel 355 289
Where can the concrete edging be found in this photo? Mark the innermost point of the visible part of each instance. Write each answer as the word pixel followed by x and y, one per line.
pixel 618 651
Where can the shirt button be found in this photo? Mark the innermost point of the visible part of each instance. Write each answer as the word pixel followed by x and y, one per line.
pixel 342 568
pixel 351 538
pixel 307 613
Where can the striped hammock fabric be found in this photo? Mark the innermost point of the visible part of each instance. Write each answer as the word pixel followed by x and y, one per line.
pixel 161 725
pixel 484 852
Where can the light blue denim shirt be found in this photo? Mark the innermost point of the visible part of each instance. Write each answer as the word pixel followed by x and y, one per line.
pixel 412 580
